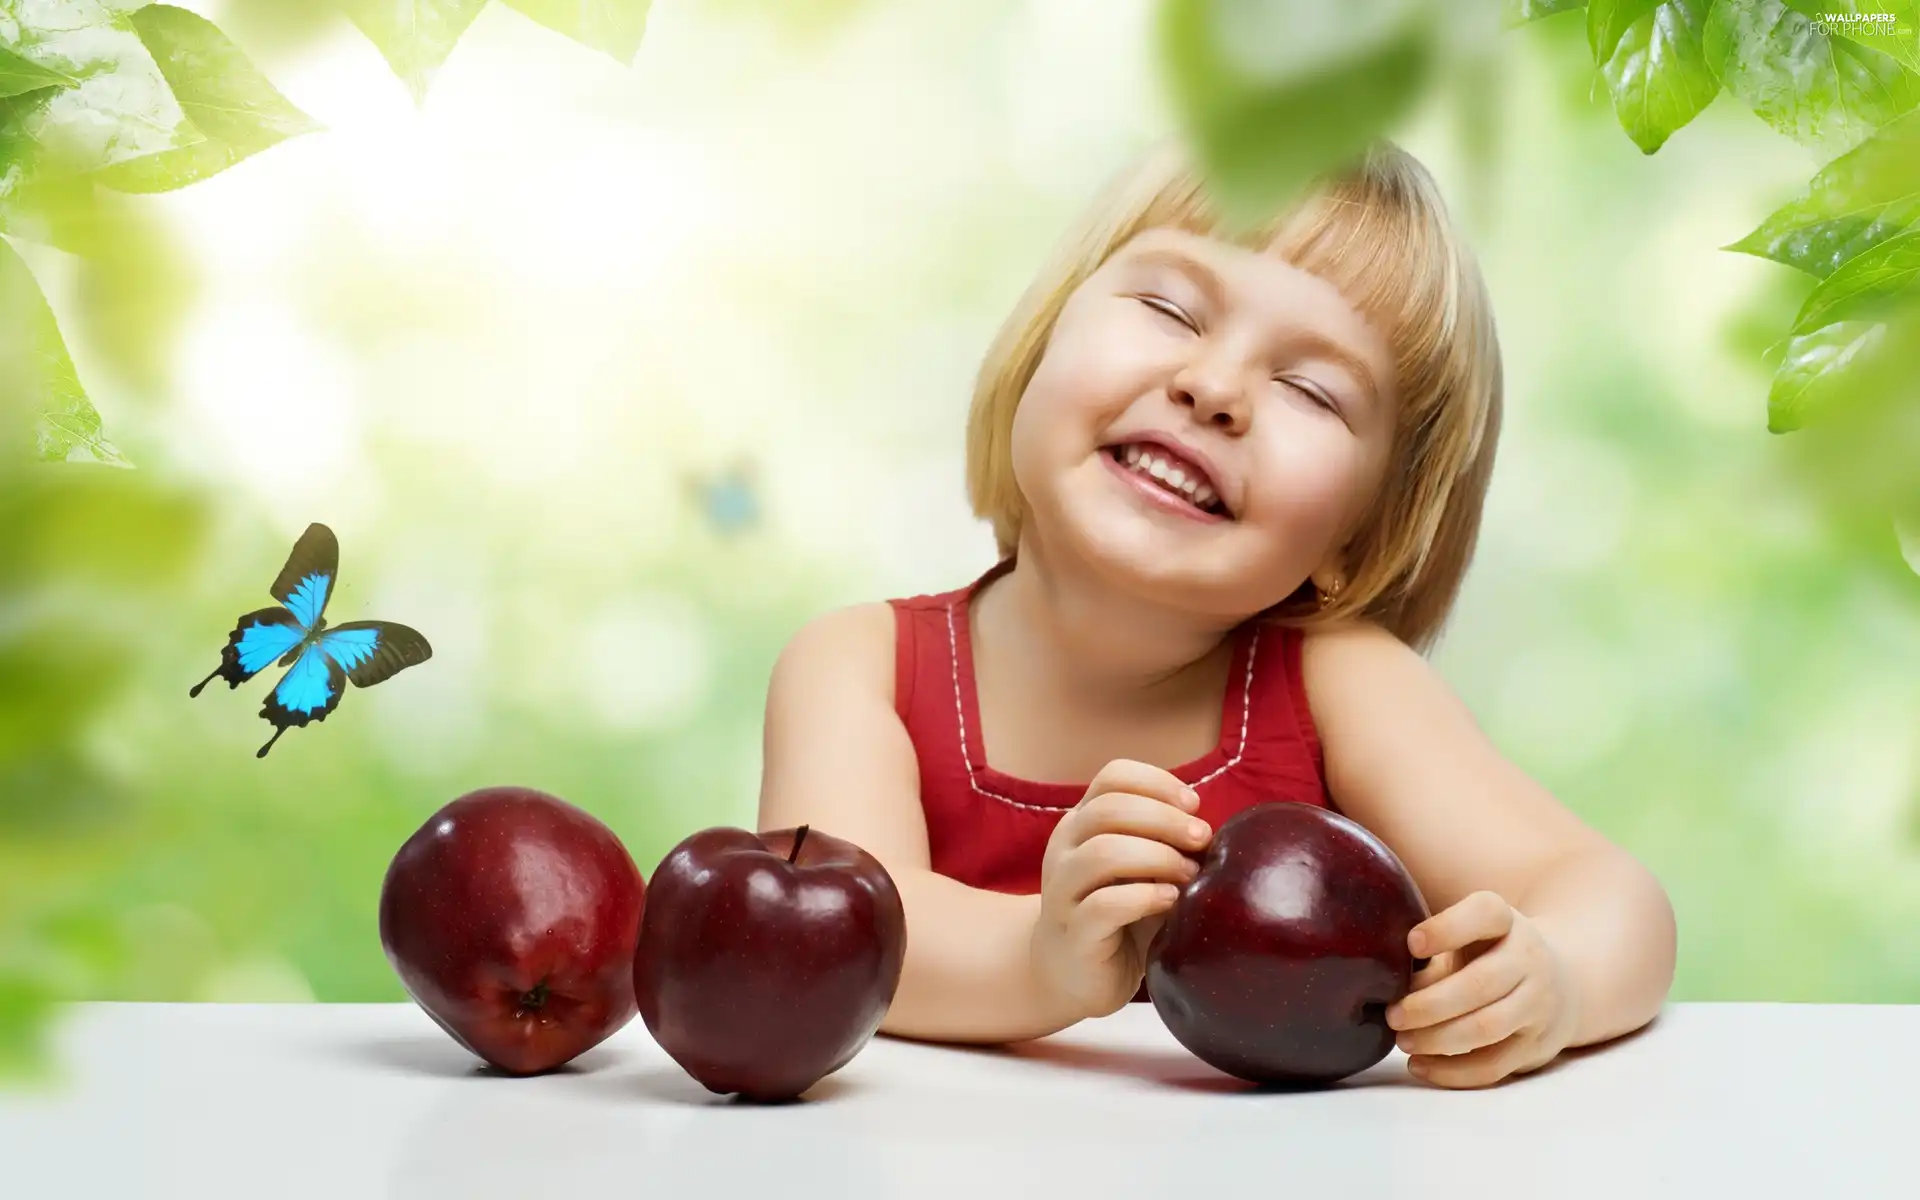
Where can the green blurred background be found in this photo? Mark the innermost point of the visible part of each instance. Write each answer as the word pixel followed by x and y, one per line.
pixel 608 377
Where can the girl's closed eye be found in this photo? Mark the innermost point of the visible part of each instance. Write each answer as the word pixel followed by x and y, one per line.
pixel 1168 309
pixel 1310 391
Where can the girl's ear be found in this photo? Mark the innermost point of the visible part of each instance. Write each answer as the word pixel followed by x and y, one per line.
pixel 1331 575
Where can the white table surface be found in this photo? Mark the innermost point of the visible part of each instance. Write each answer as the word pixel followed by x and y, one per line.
pixel 353 1102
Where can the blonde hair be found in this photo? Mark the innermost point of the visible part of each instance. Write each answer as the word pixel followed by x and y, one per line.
pixel 1380 232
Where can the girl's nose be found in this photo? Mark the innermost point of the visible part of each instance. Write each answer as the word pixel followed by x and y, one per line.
pixel 1219 400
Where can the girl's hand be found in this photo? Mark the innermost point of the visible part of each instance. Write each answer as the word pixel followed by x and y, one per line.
pixel 1114 865
pixel 1494 1001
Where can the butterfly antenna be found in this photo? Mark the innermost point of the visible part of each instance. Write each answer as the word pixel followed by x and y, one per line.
pixel 262 753
pixel 202 683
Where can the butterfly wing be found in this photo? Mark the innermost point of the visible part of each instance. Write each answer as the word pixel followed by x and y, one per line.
pixel 257 641
pixel 370 651
pixel 269 634
pixel 363 651
pixel 306 693
pixel 729 500
pixel 305 584
pixel 731 504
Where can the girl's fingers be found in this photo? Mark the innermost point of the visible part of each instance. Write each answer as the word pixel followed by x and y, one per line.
pixel 1141 779
pixel 1139 816
pixel 1113 908
pixel 1476 985
pixel 1442 965
pixel 1470 1031
pixel 1108 858
pixel 1479 1068
pixel 1480 917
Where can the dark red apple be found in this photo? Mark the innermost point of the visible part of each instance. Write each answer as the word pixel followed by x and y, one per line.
pixel 1280 957
pixel 511 917
pixel 767 960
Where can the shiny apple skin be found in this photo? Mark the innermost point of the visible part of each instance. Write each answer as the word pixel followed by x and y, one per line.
pixel 511 917
pixel 1278 960
pixel 761 977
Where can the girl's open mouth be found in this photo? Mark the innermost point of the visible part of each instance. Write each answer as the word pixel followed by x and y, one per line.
pixel 1162 479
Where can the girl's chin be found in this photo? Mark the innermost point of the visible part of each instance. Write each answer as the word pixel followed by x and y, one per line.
pixel 1125 520
pixel 1152 550
pixel 1133 548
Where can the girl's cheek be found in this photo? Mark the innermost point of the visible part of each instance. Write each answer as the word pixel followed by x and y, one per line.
pixel 1302 481
pixel 1096 363
pixel 1067 389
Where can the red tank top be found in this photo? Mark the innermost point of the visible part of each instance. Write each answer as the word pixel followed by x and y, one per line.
pixel 989 830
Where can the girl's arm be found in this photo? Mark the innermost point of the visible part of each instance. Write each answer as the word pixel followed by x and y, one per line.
pixel 837 757
pixel 1405 758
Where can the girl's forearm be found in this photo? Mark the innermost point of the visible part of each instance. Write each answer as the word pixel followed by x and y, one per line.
pixel 968 975
pixel 1613 927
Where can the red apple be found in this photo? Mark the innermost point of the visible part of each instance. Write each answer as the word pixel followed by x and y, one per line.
pixel 1280 957
pixel 511 918
pixel 767 961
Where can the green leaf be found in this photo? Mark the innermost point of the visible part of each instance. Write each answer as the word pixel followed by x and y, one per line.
pixel 44 202
pixel 1659 75
pixel 1857 201
pixel 37 380
pixel 1819 90
pixel 1273 93
pixel 1857 424
pixel 1870 284
pixel 1818 366
pixel 19 75
pixel 19 155
pixel 223 94
pixel 1608 22
pixel 414 36
pixel 55 209
pixel 120 105
pixel 612 26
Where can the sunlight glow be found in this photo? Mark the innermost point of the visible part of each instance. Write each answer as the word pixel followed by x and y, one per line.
pixel 275 399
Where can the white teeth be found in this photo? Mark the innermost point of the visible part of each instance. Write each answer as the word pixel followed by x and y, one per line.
pixel 1149 463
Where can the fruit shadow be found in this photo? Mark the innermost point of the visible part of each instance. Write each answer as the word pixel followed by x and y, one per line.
pixel 597 1070
pixel 1181 1070
pixel 669 1084
pixel 439 1057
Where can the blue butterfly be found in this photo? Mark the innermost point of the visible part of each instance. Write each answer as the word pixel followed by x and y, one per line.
pixel 729 500
pixel 294 633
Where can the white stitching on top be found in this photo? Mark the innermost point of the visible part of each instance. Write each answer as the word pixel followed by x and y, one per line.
pixel 960 716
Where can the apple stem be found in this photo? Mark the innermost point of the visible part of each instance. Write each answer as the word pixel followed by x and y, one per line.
pixel 799 836
pixel 536 999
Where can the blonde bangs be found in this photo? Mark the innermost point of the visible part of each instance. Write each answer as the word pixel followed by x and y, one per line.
pixel 1378 231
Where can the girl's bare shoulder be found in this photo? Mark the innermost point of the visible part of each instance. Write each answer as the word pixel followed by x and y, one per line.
pixel 851 645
